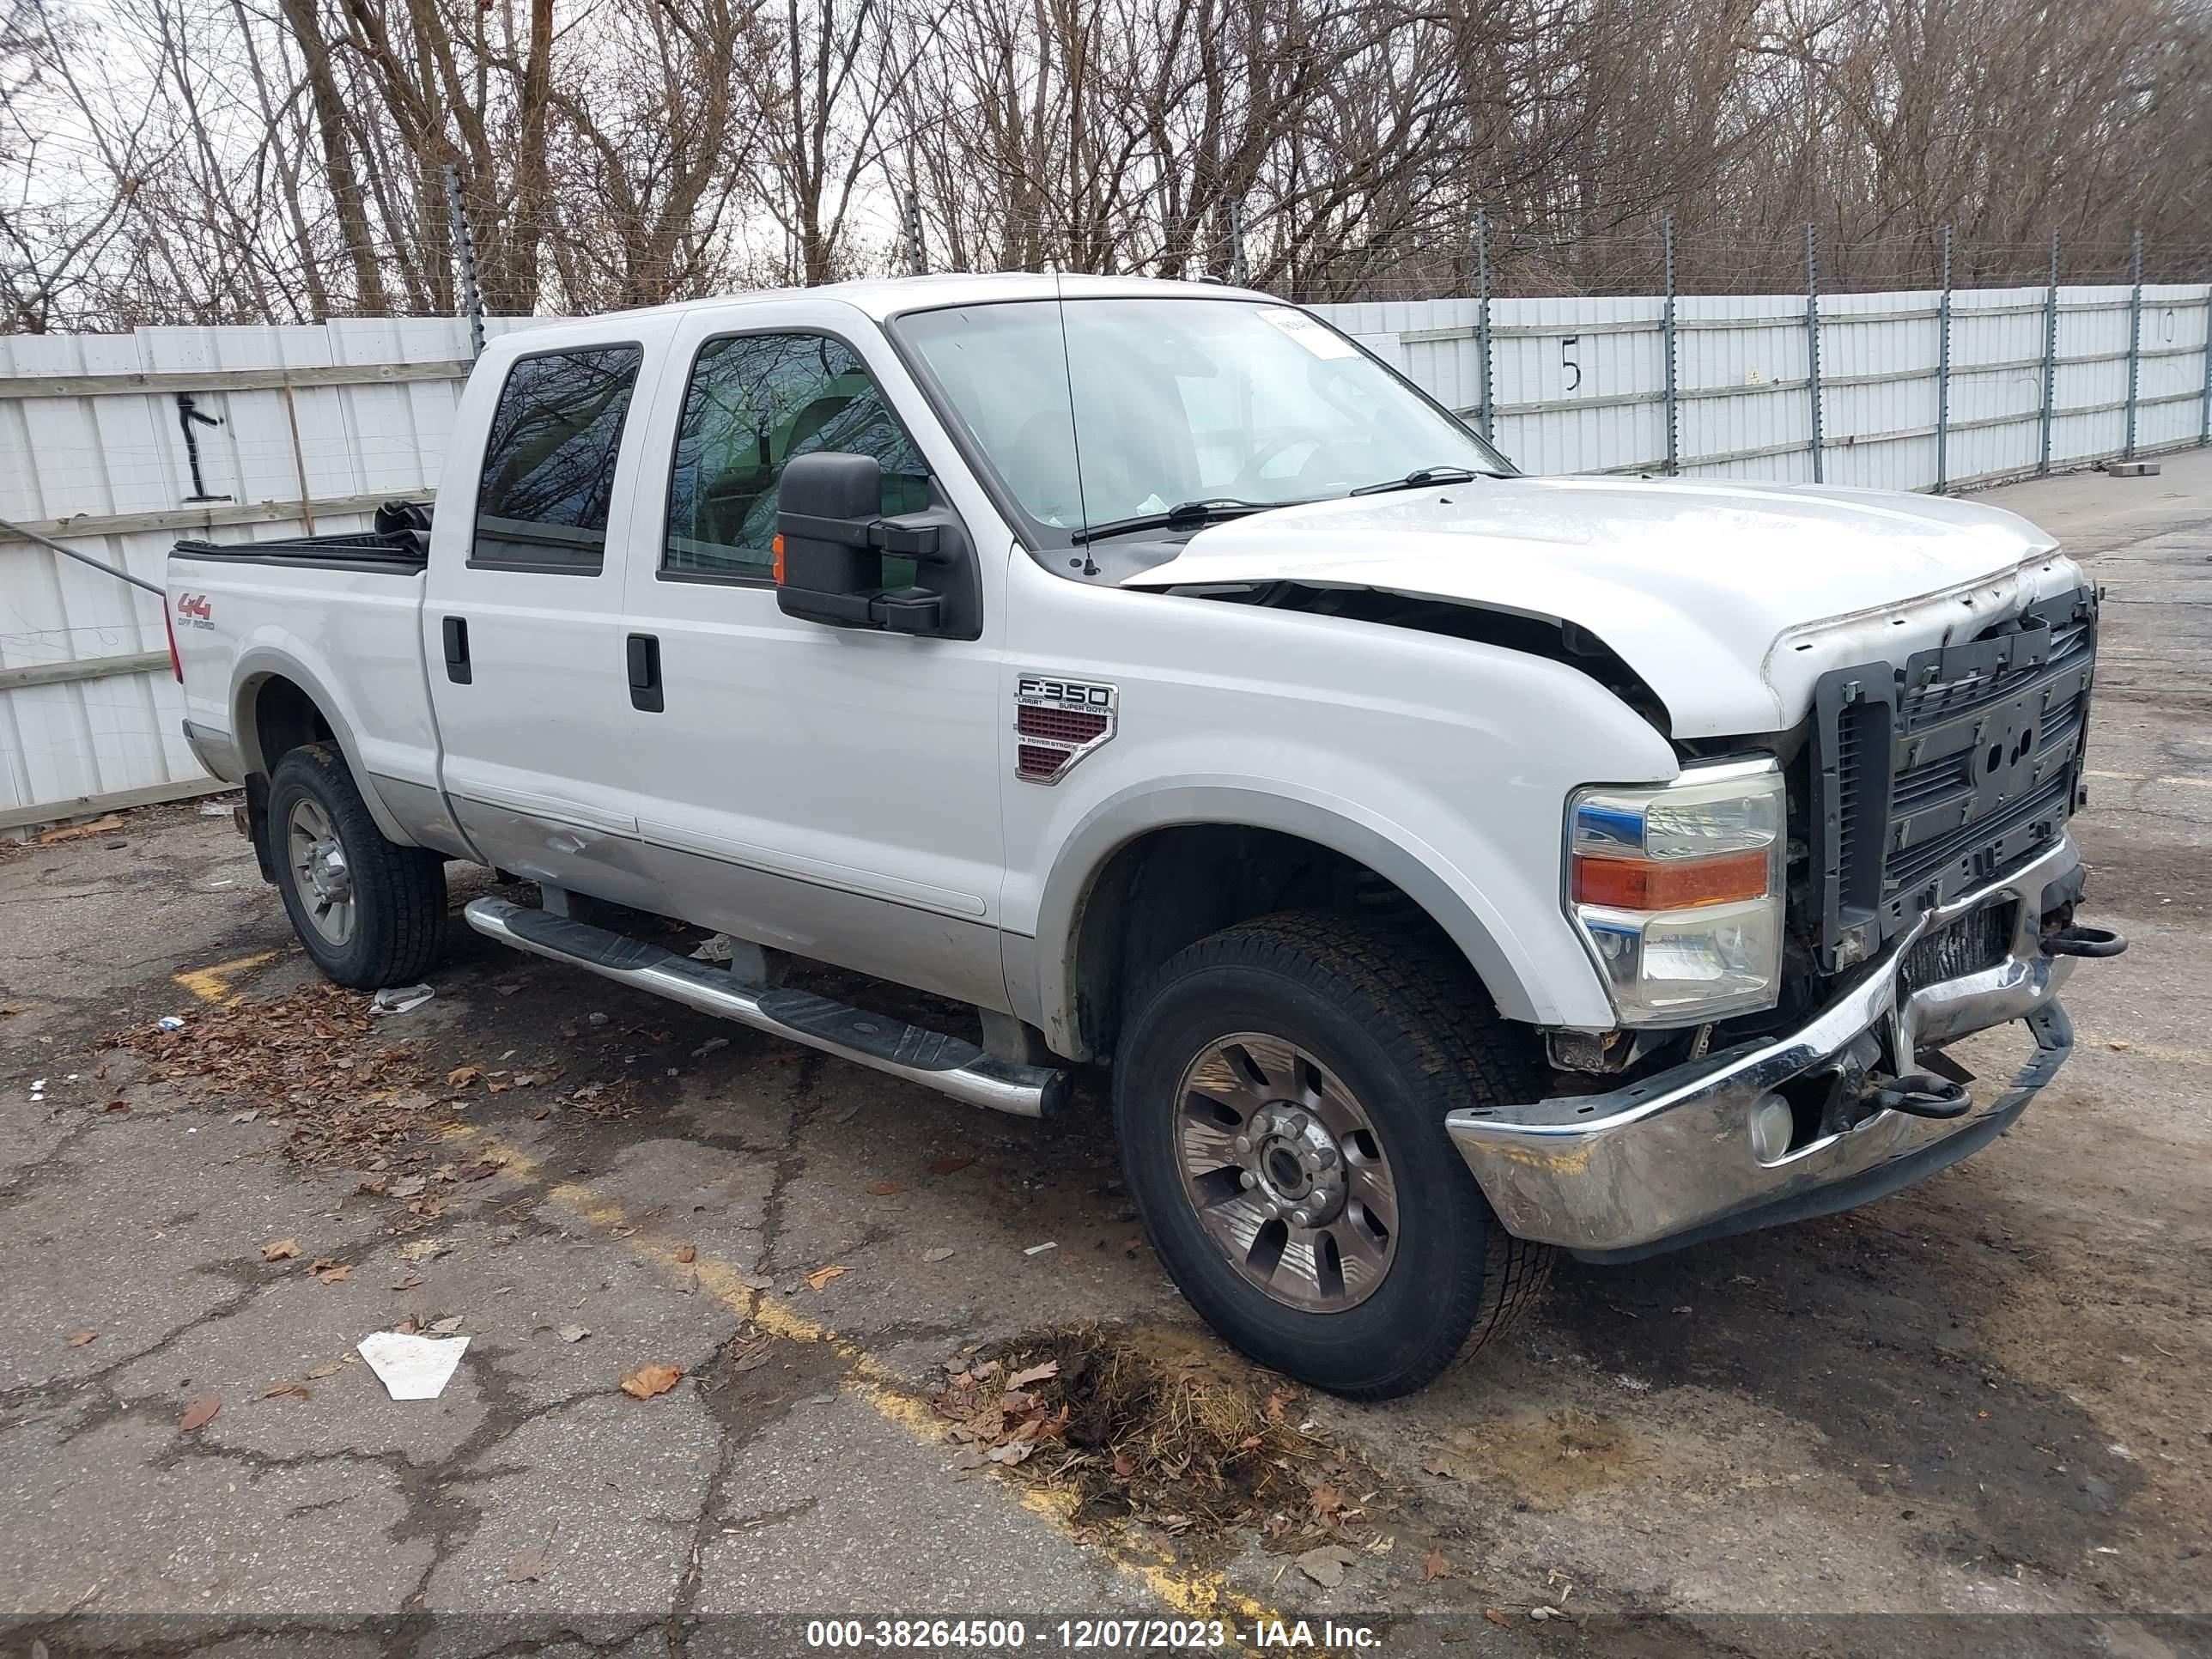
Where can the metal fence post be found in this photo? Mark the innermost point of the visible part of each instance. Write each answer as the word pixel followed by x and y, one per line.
pixel 1482 312
pixel 1673 436
pixel 2204 401
pixel 1943 374
pixel 917 261
pixel 464 254
pixel 2049 359
pixel 2134 345
pixel 1813 340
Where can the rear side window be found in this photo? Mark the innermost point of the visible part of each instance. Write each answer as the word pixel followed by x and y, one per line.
pixel 754 401
pixel 549 472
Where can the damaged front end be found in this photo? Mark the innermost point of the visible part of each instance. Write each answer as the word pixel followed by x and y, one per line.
pixel 1931 893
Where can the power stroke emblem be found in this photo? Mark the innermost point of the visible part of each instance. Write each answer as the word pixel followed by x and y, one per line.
pixel 1058 721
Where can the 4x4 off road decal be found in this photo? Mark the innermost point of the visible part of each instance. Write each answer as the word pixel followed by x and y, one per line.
pixel 1058 723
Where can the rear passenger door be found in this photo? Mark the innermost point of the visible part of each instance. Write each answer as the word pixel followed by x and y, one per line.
pixel 832 791
pixel 523 636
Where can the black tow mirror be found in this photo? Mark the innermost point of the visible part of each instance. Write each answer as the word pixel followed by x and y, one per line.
pixel 832 538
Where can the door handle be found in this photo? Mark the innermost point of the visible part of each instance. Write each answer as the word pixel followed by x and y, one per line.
pixel 458 668
pixel 645 673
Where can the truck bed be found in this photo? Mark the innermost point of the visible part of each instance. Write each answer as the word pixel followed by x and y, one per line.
pixel 400 545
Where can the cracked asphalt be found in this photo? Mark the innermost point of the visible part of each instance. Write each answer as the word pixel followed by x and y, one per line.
pixel 1972 1418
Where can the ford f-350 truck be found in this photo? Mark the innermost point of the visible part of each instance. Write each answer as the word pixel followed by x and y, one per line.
pixel 1453 867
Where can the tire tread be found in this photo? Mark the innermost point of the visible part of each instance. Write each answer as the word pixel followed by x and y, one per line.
pixel 399 891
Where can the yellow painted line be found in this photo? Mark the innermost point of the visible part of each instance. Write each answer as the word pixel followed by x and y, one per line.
pixel 213 984
pixel 2150 777
pixel 1190 1593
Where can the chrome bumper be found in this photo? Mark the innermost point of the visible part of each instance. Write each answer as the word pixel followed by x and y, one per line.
pixel 1669 1161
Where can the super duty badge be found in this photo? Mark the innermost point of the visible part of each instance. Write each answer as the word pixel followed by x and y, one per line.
pixel 1057 722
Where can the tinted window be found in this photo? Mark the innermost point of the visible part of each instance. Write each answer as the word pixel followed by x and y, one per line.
pixel 549 466
pixel 754 402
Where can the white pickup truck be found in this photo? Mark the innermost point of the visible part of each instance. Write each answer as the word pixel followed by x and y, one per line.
pixel 1452 865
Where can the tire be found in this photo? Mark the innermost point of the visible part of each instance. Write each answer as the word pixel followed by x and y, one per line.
pixel 393 896
pixel 1387 1018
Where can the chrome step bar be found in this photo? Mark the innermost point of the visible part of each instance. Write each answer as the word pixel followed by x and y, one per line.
pixel 947 1064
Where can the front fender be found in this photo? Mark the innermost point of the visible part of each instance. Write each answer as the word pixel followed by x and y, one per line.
pixel 1537 979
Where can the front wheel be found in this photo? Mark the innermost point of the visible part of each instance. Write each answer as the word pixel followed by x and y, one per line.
pixel 369 912
pixel 1280 1094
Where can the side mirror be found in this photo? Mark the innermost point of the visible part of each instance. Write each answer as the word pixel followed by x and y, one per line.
pixel 832 539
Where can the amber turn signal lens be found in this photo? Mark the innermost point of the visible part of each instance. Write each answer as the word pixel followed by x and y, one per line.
pixel 776 548
pixel 1668 883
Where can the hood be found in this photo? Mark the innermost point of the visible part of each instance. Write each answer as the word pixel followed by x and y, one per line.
pixel 1729 600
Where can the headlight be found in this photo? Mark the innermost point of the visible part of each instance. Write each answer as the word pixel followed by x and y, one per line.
pixel 1679 890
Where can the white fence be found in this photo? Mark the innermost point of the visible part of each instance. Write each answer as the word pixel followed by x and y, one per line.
pixel 314 426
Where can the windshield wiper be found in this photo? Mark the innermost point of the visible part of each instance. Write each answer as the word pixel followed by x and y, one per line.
pixel 1420 478
pixel 1184 515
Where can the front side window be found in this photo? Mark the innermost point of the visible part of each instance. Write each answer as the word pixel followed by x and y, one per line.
pixel 754 401
pixel 548 471
pixel 1095 411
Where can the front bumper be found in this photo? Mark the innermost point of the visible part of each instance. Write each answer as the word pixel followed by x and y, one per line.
pixel 1668 1161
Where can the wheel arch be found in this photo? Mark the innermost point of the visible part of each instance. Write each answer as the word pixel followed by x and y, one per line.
pixel 278 703
pixel 1092 900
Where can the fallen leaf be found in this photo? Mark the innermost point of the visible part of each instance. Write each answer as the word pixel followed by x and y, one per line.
pixel 688 1254
pixel 1442 1467
pixel 408 1187
pixel 1034 1374
pixel 942 1253
pixel 444 1326
pixel 1276 1403
pixel 280 1249
pixel 822 1276
pixel 1539 1614
pixel 461 1076
pixel 478 1171
pixel 1326 1501
pixel 1436 1566
pixel 1013 1452
pixel 946 1166
pixel 336 1275
pixel 80 1338
pixel 885 1189
pixel 969 1457
pixel 419 1251
pixel 649 1380
pixel 1325 1566
pixel 199 1415
pixel 283 1390
pixel 1497 1617
pixel 1125 1465
pixel 322 1371
pixel 541 1114
pixel 572 1332
pixel 117 1106
pixel 405 1282
pixel 526 1568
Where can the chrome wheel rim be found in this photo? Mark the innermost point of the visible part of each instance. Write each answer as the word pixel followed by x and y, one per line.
pixel 1286 1173
pixel 319 874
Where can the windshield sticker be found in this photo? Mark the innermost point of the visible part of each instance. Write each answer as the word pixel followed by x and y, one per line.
pixel 1314 335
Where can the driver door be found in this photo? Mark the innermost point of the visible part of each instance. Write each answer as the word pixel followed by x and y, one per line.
pixel 829 791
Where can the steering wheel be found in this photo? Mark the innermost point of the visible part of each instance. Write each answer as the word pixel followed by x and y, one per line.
pixel 1249 474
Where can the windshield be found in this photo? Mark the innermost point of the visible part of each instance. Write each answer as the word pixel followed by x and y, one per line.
pixel 1154 403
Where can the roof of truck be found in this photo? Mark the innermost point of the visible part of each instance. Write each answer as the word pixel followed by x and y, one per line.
pixel 886 297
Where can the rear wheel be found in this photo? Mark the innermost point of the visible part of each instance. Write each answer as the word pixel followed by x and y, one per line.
pixel 1279 1094
pixel 369 912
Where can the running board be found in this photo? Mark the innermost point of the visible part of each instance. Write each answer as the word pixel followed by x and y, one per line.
pixel 946 1064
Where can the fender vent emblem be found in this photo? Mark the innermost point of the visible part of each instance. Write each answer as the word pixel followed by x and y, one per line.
pixel 1058 723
